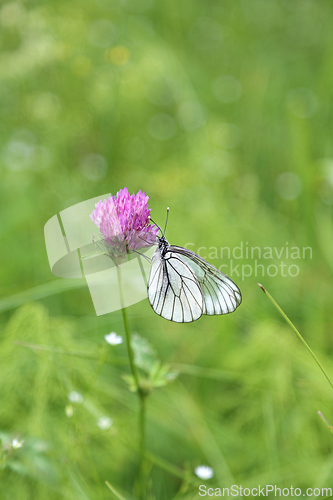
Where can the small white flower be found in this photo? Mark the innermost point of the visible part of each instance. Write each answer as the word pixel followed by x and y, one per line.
pixel 113 339
pixel 104 423
pixel 204 472
pixel 69 411
pixel 75 397
pixel 17 444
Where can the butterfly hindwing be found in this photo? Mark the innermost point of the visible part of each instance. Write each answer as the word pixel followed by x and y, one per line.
pixel 220 294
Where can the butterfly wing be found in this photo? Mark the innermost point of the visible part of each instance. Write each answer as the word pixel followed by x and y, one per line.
pixel 220 294
pixel 173 290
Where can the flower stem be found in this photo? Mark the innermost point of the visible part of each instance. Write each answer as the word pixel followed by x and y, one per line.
pixel 276 305
pixel 140 392
pixel 130 350
pixel 142 471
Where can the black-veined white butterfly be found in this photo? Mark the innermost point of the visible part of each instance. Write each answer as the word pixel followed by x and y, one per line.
pixel 182 286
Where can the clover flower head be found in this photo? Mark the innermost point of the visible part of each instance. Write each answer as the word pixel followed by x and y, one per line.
pixel 124 223
pixel 204 472
pixel 113 339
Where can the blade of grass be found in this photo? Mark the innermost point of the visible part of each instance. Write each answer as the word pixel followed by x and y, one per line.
pixel 41 291
pixel 75 481
pixel 283 314
pixel 198 426
pixel 326 422
pixel 199 371
pixel 165 465
pixel 115 492
pixel 55 350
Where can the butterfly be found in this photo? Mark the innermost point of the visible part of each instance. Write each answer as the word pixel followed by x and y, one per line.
pixel 182 286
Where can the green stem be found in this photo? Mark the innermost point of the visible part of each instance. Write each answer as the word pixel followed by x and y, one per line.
pixel 140 392
pixel 142 471
pixel 297 333
pixel 130 350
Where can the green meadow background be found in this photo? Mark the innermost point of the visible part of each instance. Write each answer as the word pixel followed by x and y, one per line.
pixel 221 110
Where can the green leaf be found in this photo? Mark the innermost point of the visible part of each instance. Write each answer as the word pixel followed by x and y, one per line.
pixel 129 379
pixel 161 375
pixel 155 369
pixel 145 358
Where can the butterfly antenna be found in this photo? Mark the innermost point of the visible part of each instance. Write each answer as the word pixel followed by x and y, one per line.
pixel 156 224
pixel 166 222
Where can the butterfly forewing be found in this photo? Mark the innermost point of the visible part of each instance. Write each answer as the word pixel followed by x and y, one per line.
pixel 173 290
pixel 154 276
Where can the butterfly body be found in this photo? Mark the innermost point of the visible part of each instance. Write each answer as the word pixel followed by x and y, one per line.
pixel 182 286
pixel 163 246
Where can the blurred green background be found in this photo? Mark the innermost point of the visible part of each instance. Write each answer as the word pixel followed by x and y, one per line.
pixel 222 111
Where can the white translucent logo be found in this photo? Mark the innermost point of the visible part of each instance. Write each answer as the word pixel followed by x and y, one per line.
pixel 69 237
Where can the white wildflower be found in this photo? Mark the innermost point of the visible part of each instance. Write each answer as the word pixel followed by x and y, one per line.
pixel 204 472
pixel 69 411
pixel 113 339
pixel 104 422
pixel 17 444
pixel 75 397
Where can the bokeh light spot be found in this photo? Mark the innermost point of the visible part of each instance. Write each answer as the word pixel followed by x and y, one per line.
pixel 191 115
pixel 326 166
pixel 94 167
pixel 161 91
pixel 81 66
pixel 133 148
pixel 118 55
pixel 248 186
pixel 302 102
pixel 19 152
pixel 216 167
pixel 46 106
pixel 42 158
pixel 102 33
pixel 325 189
pixel 62 51
pixel 102 94
pixel 225 135
pixel 12 14
pixel 206 34
pixel 227 88
pixel 137 6
pixel 288 186
pixel 162 127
